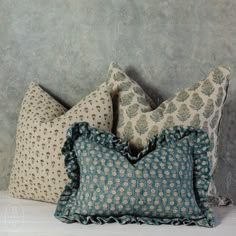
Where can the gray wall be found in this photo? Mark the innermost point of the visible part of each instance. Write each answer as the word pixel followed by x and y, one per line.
pixel 67 45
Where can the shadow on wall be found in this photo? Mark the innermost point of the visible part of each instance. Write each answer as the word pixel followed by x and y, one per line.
pixel 226 170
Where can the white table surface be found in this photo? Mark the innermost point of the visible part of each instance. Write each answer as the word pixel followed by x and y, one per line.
pixel 24 217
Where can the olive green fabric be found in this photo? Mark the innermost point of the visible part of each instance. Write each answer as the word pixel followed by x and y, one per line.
pixel 166 183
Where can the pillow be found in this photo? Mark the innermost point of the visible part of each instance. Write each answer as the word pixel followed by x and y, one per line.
pixel 199 106
pixel 126 92
pixel 165 184
pixel 38 171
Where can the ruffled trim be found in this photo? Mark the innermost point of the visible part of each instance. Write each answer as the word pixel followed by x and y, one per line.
pixel 199 142
pixel 111 141
pixel 129 219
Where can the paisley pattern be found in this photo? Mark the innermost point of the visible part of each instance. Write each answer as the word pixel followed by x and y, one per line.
pixel 165 184
pixel 38 171
pixel 127 96
pixel 200 106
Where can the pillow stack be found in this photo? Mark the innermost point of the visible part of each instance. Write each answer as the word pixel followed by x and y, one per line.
pixel 155 168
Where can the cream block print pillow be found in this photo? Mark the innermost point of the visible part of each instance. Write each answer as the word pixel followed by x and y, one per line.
pixel 126 93
pixel 38 171
pixel 199 106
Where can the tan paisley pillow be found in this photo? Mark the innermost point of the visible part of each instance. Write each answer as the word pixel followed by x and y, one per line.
pixel 199 106
pixel 38 171
pixel 127 96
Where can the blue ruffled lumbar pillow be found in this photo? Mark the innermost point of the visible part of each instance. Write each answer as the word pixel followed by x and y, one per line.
pixel 166 183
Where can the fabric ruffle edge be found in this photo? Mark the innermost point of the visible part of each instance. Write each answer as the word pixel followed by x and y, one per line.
pixel 198 140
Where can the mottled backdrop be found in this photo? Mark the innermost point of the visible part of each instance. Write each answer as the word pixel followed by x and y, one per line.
pixel 67 45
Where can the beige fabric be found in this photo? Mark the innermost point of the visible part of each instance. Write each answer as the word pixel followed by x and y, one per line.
pixel 127 96
pixel 199 106
pixel 38 171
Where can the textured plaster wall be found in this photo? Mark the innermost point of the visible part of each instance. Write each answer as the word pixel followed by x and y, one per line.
pixel 67 45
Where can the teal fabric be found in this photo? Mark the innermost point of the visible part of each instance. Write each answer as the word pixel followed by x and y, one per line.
pixel 166 183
